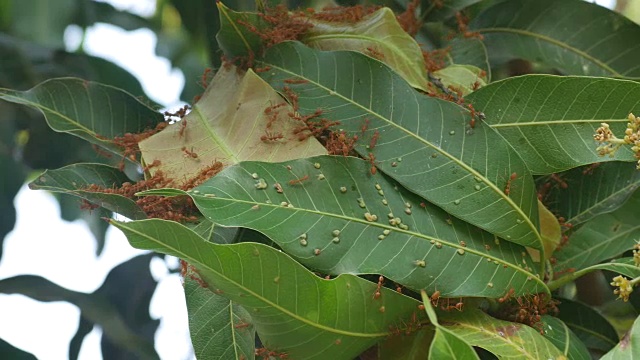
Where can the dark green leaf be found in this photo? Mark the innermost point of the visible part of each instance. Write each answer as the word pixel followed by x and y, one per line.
pixel 502 338
pixel 440 10
pixel 460 169
pixel 219 328
pixel 91 12
pixel 293 310
pixel 629 345
pixel 406 347
pixel 234 37
pixel 95 307
pixel 91 111
pixel 588 325
pixel 609 185
pixel 551 120
pixel 563 338
pixel 8 351
pixel 574 36
pixel 603 237
pixel 327 214
pixel 42 21
pixel 469 51
pixel 77 178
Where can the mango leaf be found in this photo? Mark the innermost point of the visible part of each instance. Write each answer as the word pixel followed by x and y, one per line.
pixel 75 180
pixel 405 347
pixel 609 185
pixel 226 125
pixel 551 120
pixel 378 35
pixel 625 266
pixel 8 351
pixel 461 77
pixel 629 345
pixel 234 38
pixel 219 328
pixel 445 344
pixel 550 231
pixel 89 110
pixel 95 307
pixel 603 237
pixel 502 338
pixel 294 311
pixel 444 9
pixel 588 325
pixel 559 334
pixel 462 170
pixel 469 51
pixel 333 216
pixel 567 35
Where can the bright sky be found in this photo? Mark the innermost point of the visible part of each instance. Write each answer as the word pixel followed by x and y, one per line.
pixel 65 252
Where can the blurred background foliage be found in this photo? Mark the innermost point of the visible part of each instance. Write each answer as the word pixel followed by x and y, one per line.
pixel 33 50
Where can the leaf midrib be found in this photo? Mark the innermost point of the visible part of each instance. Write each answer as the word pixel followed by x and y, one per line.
pixel 464 166
pixel 259 297
pixel 556 122
pixel 551 41
pixel 510 344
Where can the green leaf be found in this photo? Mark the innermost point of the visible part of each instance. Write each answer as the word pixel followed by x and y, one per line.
pixel 623 266
pixel 502 338
pixel 461 77
pixel 609 185
pixel 226 126
pixel 588 325
pixel 234 38
pixel 407 347
pixel 576 37
pixel 91 111
pixel 77 178
pixel 603 237
pixel 322 222
pixel 8 351
pixel 470 51
pixel 629 345
pixel 551 120
pixel 41 21
pixel 217 325
pixel 440 10
pixel 445 344
pixel 293 310
pixel 378 35
pixel 462 170
pixel 95 307
pixel 559 334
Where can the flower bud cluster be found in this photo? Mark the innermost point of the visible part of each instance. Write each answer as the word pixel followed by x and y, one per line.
pixel 609 143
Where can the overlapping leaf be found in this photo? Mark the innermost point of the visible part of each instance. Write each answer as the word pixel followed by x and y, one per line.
pixel 294 311
pixel 609 185
pixel 75 180
pixel 327 223
pixel 234 37
pixel 464 78
pixel 551 120
pixel 378 35
pixel 469 51
pixel 603 237
pixel 227 125
pixel 624 266
pixel 576 37
pixel 89 110
pixel 424 143
pixel 414 346
pixel 502 338
pixel 445 9
pixel 445 344
pixel 588 325
pixel 629 345
pixel 219 328
pixel 559 334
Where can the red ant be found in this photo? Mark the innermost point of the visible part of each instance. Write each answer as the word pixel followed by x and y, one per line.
pixel 262 69
pixel 374 140
pixel 563 184
pixel 377 293
pixel 189 153
pixel 298 181
pixel 205 76
pixel 372 160
pixel 507 296
pixel 242 325
pixel 183 127
pixel 295 81
pixel 435 297
pixel 507 188
pixel 365 126
pixel 268 136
